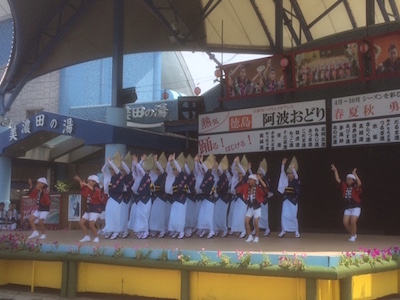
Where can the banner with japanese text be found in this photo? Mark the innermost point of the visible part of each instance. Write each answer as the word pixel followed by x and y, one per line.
pixel 366 119
pixel 302 137
pixel 271 128
pixel 289 114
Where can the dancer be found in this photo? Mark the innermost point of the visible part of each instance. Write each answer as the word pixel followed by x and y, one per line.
pixel 127 195
pixel 41 194
pixel 91 191
pixel 115 191
pixel 176 189
pixel 238 208
pixel 254 194
pixel 205 221
pixel 224 198
pixel 142 193
pixel 351 191
pixel 191 219
pixel 264 219
pixel 289 185
pixel 159 199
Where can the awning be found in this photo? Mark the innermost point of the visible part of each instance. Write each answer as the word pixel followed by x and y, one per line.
pixel 53 137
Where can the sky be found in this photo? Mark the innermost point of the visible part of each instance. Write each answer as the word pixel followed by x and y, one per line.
pixel 202 67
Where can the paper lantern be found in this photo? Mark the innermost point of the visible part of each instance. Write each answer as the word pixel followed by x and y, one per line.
pixel 217 73
pixel 197 91
pixel 165 95
pixel 364 47
pixel 284 62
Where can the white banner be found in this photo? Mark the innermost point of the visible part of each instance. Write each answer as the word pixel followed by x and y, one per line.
pixel 379 104
pixel 301 137
pixel 374 131
pixel 289 114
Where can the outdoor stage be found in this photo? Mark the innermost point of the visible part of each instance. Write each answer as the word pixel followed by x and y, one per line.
pixel 74 267
pixel 325 244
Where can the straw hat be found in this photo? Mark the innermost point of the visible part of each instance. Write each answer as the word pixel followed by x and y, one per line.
pixel 117 159
pixel 210 162
pixel 181 160
pixel 190 162
pixel 162 159
pixel 264 166
pixel 128 159
pixel 224 164
pixel 293 163
pixel 148 163
pixel 244 163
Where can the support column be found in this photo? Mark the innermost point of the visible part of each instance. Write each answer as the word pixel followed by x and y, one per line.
pixel 311 289
pixel 115 116
pixel 185 284
pixel 72 279
pixel 346 288
pixel 5 177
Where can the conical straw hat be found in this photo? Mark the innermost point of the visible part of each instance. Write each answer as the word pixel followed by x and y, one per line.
pixel 117 159
pixel 210 161
pixel 293 163
pixel 244 162
pixel 264 165
pixel 181 160
pixel 128 159
pixel 224 164
pixel 190 162
pixel 148 163
pixel 162 159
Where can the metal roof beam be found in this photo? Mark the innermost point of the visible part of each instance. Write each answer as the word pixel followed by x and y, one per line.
pixel 370 12
pixel 350 14
pixel 326 12
pixel 279 21
pixel 262 22
pixel 395 11
pixel 381 5
pixel 205 13
pixel 289 24
pixel 302 20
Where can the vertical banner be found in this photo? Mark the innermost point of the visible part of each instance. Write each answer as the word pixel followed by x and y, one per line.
pixel 366 119
pixel 328 65
pixel 74 207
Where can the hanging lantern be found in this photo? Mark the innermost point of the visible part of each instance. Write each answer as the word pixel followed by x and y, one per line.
pixel 284 62
pixel 197 91
pixel 165 95
pixel 364 47
pixel 217 73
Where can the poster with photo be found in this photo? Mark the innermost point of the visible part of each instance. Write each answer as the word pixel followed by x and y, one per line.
pixel 260 76
pixel 386 50
pixel 325 66
pixel 74 207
